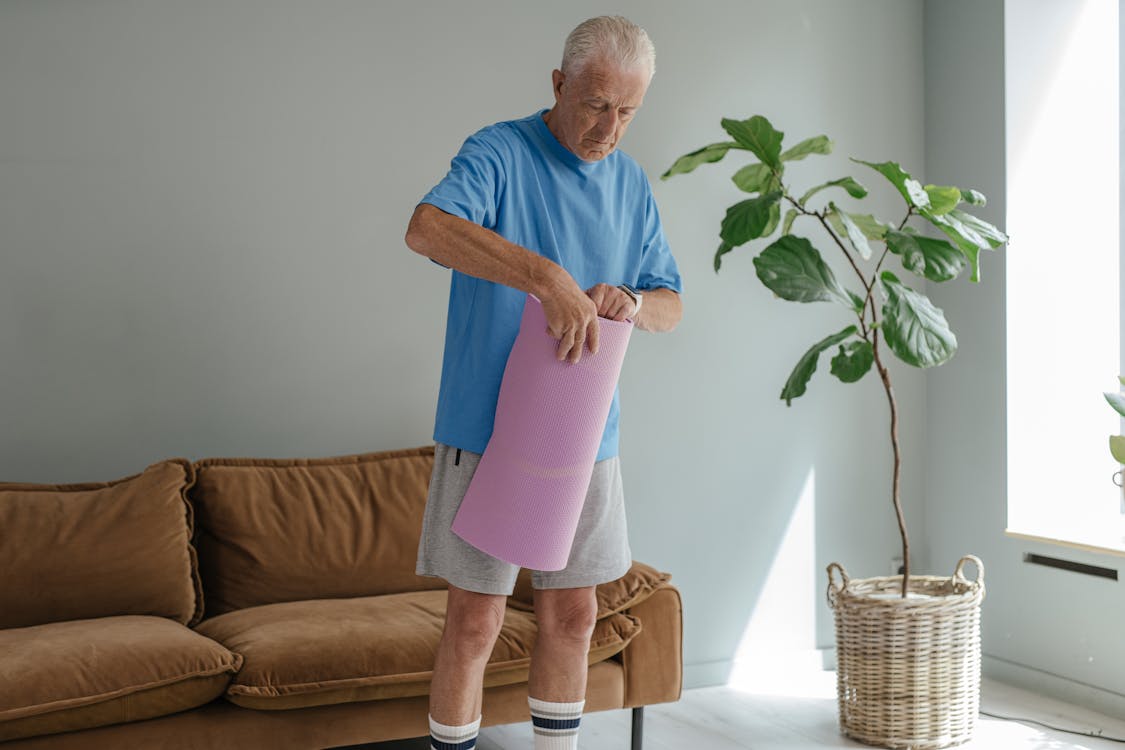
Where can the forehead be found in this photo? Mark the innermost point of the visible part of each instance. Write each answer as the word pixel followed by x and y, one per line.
pixel 601 80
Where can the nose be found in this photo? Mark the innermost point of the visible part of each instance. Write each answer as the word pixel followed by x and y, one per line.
pixel 607 123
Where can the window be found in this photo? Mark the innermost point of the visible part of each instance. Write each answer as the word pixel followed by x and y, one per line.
pixel 1064 310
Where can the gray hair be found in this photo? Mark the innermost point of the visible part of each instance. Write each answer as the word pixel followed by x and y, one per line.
pixel 614 37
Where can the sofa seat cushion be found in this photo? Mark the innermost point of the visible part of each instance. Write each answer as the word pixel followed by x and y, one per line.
pixel 323 651
pixel 63 676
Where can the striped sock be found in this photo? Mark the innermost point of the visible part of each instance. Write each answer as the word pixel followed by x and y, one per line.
pixel 446 737
pixel 556 724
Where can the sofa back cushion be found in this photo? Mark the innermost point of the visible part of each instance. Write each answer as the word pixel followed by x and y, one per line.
pixel 280 530
pixel 123 547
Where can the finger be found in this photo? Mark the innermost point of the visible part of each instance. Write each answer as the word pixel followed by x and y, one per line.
pixel 576 350
pixel 592 333
pixel 576 353
pixel 566 343
pixel 622 311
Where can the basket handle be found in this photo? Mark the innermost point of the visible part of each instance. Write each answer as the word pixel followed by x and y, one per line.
pixel 834 589
pixel 959 573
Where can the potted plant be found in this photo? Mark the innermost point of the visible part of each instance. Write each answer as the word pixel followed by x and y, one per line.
pixel 886 694
pixel 1117 442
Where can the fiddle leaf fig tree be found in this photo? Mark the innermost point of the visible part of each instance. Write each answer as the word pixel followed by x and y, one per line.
pixel 883 306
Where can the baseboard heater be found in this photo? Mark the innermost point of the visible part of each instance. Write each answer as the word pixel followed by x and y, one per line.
pixel 1076 567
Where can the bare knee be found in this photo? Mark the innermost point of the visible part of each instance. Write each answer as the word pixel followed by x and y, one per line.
pixel 473 622
pixel 566 614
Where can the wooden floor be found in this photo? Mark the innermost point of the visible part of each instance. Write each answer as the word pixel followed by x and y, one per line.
pixel 801 716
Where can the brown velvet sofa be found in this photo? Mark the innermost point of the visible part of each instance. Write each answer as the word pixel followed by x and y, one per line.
pixel 265 603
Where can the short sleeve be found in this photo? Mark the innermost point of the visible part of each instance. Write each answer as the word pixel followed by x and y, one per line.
pixel 471 188
pixel 658 267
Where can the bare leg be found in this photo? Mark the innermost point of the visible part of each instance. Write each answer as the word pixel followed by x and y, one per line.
pixel 472 623
pixel 566 620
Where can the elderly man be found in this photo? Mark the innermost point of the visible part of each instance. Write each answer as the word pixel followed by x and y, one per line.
pixel 545 205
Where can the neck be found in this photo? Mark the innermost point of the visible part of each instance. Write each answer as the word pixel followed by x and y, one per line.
pixel 549 121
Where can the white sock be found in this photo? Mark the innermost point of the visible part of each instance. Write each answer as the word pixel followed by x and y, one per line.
pixel 446 737
pixel 555 724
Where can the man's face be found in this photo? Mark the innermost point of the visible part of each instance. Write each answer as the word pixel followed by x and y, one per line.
pixel 595 106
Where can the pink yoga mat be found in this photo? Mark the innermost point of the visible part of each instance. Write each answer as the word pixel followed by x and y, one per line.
pixel 525 498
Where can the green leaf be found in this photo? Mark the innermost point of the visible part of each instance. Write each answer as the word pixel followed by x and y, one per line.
pixel 815 145
pixel 705 155
pixel 872 228
pixel 746 220
pixel 993 236
pixel 855 235
pixel 858 303
pixel 774 220
pixel 910 189
pixel 853 361
pixel 968 248
pixel 854 189
pixel 724 248
pixel 969 234
pixel 1117 447
pixel 942 199
pixel 799 379
pixel 758 136
pixel 753 178
pixel 915 330
pixel 1121 379
pixel 973 197
pixel 936 260
pixel 1117 401
pixel 786 225
pixel 792 269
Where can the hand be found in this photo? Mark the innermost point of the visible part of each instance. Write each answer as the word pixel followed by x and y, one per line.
pixel 572 318
pixel 612 302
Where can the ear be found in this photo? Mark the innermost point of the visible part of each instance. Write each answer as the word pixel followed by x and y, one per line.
pixel 557 79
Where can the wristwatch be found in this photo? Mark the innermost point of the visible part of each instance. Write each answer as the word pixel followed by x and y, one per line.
pixel 636 296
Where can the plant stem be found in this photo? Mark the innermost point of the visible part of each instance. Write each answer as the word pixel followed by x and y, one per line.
pixel 884 373
pixel 828 228
pixel 885 376
pixel 879 265
pixel 867 286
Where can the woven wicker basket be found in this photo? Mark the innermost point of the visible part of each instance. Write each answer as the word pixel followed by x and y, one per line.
pixel 908 670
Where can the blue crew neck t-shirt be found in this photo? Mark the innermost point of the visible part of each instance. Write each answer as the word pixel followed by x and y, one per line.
pixel 596 219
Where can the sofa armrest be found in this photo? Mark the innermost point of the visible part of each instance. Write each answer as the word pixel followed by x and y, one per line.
pixel 653 661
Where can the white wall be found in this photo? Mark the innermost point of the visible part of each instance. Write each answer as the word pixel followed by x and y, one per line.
pixel 201 217
pixel 1052 630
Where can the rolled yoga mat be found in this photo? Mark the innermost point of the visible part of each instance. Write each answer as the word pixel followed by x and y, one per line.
pixel 525 498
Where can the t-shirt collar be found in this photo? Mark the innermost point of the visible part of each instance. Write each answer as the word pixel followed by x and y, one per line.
pixel 567 156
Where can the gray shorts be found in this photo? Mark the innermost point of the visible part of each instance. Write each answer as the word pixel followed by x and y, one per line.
pixel 601 544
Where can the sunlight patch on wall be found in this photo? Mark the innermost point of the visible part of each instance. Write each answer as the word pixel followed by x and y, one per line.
pixel 778 650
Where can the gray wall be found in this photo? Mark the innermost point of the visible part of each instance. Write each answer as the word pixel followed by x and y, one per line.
pixel 201 217
pixel 1049 629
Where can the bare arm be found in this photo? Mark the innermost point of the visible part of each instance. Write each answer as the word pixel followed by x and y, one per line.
pixel 476 251
pixel 661 310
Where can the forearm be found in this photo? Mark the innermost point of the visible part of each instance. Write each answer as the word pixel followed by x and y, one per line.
pixel 476 251
pixel 661 310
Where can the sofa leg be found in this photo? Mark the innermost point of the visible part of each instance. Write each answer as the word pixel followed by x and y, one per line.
pixel 638 727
